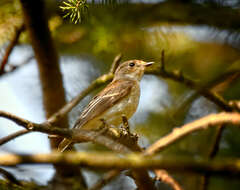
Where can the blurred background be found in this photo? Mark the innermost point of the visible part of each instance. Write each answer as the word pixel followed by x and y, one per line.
pixel 200 38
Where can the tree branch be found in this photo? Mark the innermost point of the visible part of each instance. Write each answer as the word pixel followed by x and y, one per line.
pixel 214 147
pixel 13 67
pixel 10 177
pixel 18 120
pixel 108 160
pixel 179 77
pixel 13 136
pixel 109 176
pixel 10 47
pixel 82 135
pixel 77 135
pixel 115 63
pixel 86 135
pixel 211 120
pixel 162 175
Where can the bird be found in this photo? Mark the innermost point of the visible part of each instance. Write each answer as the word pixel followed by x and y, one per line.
pixel 118 98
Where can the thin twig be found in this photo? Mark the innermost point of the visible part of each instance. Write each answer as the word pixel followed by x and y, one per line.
pixel 10 177
pixel 10 48
pixel 13 68
pixel 13 136
pixel 109 176
pixel 178 76
pixel 211 120
pixel 221 83
pixel 162 66
pixel 215 147
pixel 162 175
pixel 18 120
pixel 115 63
pixel 212 153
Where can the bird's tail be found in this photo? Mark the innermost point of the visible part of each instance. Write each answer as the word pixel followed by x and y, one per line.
pixel 64 144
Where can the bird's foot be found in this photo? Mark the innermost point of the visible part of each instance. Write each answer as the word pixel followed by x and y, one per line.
pixel 114 131
pixel 125 125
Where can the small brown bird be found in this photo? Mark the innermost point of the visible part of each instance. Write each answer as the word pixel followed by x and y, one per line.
pixel 119 98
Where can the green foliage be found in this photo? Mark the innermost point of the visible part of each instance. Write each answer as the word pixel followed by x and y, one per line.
pixel 75 9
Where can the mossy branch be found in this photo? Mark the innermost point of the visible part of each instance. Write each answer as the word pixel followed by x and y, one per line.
pixel 108 160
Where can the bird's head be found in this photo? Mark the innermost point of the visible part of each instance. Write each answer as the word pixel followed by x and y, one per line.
pixel 133 69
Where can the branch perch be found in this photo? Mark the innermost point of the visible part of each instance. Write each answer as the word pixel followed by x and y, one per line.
pixel 80 135
pixel 178 133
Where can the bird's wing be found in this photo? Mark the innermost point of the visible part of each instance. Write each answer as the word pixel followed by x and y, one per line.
pixel 110 95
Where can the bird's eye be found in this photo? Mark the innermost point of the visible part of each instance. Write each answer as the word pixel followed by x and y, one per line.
pixel 131 64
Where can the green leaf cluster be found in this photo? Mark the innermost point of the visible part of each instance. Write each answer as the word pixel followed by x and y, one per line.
pixel 75 9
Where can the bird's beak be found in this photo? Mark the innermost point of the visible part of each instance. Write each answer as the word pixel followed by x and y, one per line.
pixel 147 64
